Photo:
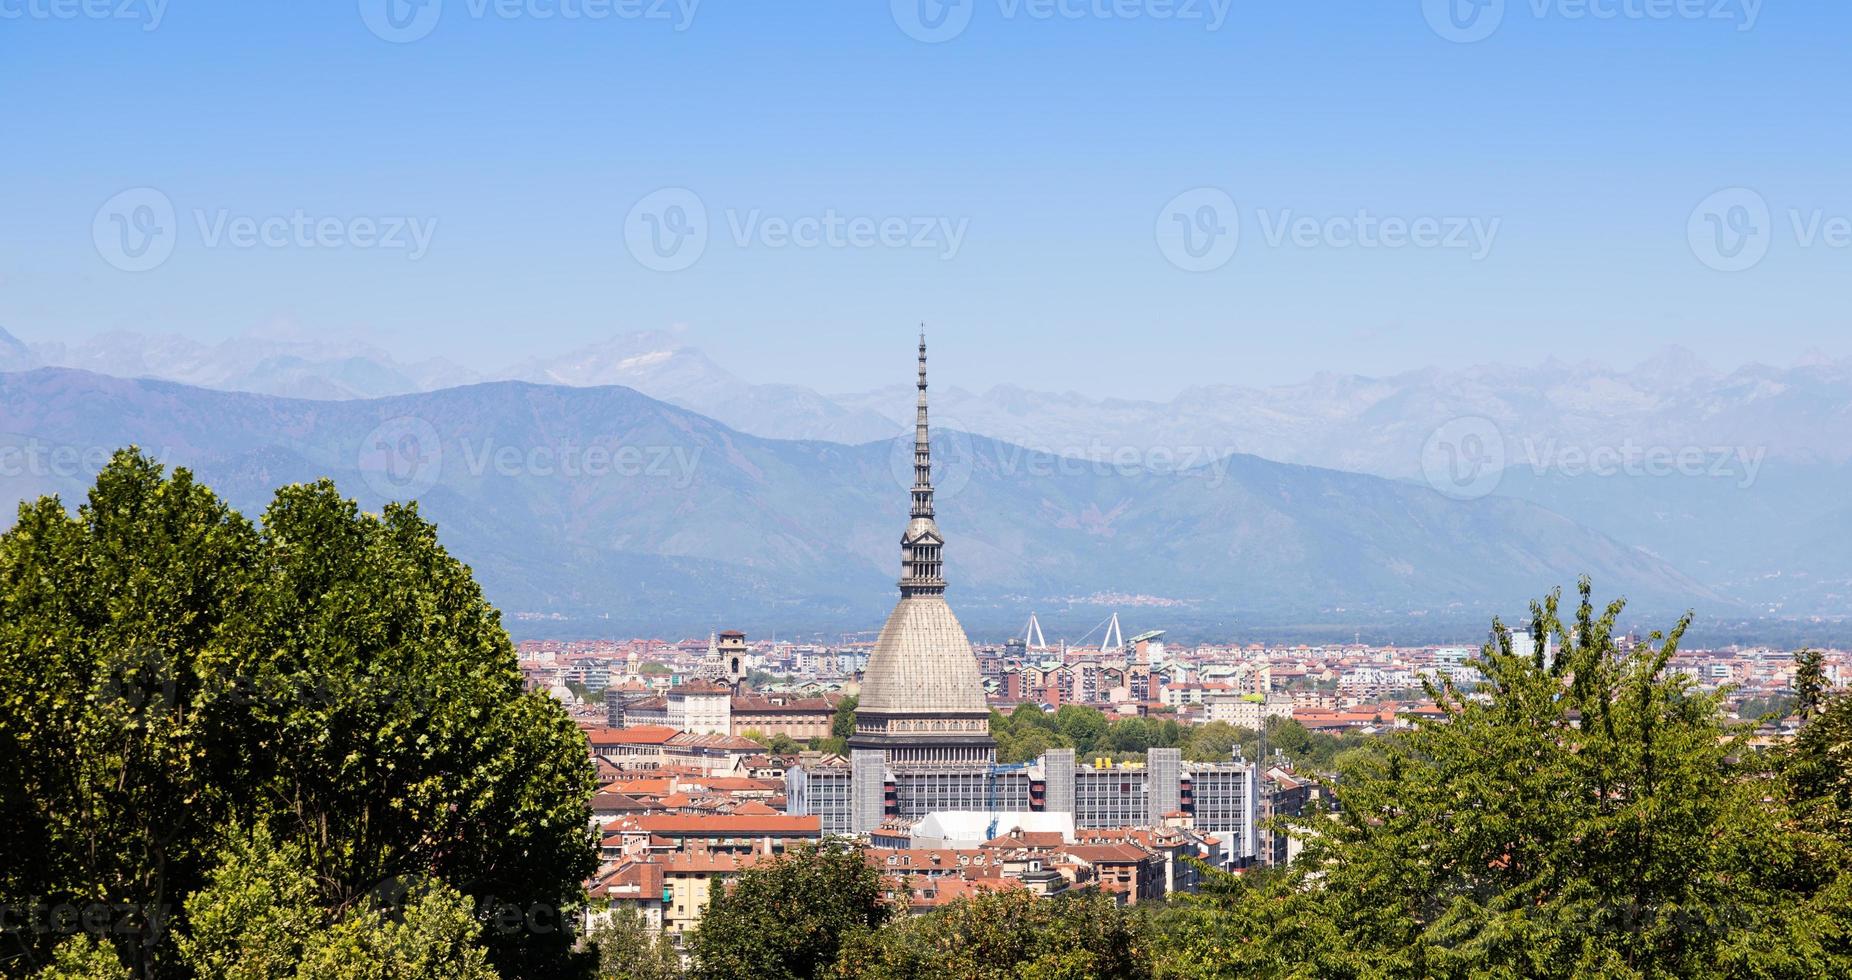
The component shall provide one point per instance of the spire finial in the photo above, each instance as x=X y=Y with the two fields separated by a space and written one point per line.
x=920 y=545
x=922 y=445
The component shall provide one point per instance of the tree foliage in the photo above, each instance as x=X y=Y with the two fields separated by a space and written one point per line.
x=843 y=724
x=787 y=918
x=84 y=957
x=1819 y=768
x=1007 y=936
x=1809 y=683
x=628 y=950
x=257 y=918
x=1595 y=817
x=169 y=670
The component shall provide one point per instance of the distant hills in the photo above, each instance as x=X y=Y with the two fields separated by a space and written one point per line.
x=603 y=505
x=1799 y=414
x=1754 y=534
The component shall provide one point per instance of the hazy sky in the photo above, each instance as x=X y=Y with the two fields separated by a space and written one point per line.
x=1049 y=183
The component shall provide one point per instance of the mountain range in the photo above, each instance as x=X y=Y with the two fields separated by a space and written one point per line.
x=1750 y=532
x=602 y=505
x=1799 y=414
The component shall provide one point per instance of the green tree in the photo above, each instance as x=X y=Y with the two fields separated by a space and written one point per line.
x=433 y=937
x=1027 y=744
x=84 y=957
x=168 y=670
x=1819 y=768
x=256 y=913
x=1592 y=817
x=843 y=725
x=1129 y=735
x=1007 y=936
x=1024 y=715
x=257 y=918
x=1809 y=683
x=1214 y=741
x=787 y=918
x=1083 y=726
x=628 y=950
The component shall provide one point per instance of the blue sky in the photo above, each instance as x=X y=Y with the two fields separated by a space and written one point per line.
x=1021 y=185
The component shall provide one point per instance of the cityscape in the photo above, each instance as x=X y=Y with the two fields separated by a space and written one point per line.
x=925 y=490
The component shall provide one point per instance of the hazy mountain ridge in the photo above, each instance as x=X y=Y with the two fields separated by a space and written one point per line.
x=1366 y=424
x=704 y=523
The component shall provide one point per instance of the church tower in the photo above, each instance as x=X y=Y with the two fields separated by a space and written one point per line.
x=922 y=703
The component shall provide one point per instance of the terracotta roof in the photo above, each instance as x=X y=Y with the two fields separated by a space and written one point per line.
x=735 y=784
x=1027 y=838
x=617 y=802
x=725 y=742
x=638 y=735
x=686 y=862
x=729 y=825
x=1107 y=853
x=642 y=879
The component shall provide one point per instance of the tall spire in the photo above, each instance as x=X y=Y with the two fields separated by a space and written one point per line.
x=922 y=445
x=921 y=563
